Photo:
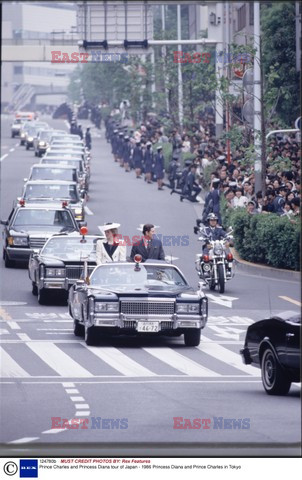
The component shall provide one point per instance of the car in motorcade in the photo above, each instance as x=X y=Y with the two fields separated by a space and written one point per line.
x=273 y=344
x=26 y=116
x=65 y=137
x=55 y=190
x=83 y=170
x=63 y=260
x=137 y=298
x=41 y=142
x=31 y=133
x=69 y=153
x=30 y=225
x=16 y=127
x=23 y=131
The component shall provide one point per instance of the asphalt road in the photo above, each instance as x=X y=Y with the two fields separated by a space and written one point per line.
x=139 y=384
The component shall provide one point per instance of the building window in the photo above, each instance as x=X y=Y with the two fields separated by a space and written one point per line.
x=18 y=70
x=241 y=12
x=251 y=12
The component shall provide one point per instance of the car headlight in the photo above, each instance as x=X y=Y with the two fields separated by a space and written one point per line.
x=42 y=144
x=55 y=272
x=30 y=139
x=18 y=241
x=22 y=135
x=78 y=211
x=187 y=307
x=102 y=307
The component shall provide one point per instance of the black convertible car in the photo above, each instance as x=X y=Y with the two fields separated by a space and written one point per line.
x=132 y=298
x=274 y=346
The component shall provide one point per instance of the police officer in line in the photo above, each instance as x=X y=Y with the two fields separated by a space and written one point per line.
x=149 y=161
x=126 y=153
x=159 y=168
x=137 y=159
x=191 y=188
x=172 y=172
x=80 y=132
x=88 y=138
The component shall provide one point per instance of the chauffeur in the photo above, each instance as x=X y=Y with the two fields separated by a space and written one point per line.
x=110 y=250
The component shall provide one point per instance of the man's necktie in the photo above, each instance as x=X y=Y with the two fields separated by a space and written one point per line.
x=148 y=246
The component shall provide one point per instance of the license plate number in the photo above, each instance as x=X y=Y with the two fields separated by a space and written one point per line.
x=147 y=326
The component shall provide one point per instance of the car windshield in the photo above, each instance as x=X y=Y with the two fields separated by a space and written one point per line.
x=44 y=135
x=149 y=276
x=39 y=173
x=71 y=248
x=34 y=217
x=31 y=130
x=53 y=190
x=76 y=155
x=58 y=161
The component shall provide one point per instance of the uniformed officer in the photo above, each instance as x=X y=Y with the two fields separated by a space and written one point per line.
x=137 y=158
x=159 y=166
x=149 y=160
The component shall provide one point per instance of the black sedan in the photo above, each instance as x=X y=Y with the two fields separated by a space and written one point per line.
x=61 y=262
x=133 y=298
x=274 y=346
x=30 y=225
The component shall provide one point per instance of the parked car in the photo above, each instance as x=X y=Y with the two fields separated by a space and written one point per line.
x=60 y=263
x=49 y=190
x=83 y=171
x=30 y=225
x=134 y=298
x=273 y=345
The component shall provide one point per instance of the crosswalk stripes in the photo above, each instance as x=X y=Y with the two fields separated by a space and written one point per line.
x=63 y=365
x=180 y=362
x=59 y=361
x=227 y=356
x=10 y=368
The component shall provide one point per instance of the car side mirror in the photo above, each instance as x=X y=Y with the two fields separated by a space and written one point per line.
x=82 y=224
x=25 y=179
x=3 y=222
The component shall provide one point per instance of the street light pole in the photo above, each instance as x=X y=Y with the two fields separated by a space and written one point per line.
x=180 y=91
x=257 y=100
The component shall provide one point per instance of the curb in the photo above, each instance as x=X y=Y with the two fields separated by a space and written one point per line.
x=263 y=270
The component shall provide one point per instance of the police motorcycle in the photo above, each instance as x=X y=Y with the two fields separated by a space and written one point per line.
x=215 y=266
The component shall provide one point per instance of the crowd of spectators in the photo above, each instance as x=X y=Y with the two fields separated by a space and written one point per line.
x=235 y=179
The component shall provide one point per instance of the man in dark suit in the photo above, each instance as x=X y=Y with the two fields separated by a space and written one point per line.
x=148 y=247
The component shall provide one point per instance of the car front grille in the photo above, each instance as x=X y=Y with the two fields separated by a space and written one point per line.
x=75 y=272
x=147 y=308
x=37 y=242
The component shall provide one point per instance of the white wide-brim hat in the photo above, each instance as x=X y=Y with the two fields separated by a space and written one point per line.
x=109 y=226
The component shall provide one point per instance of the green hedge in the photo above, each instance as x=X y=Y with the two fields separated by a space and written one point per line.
x=264 y=238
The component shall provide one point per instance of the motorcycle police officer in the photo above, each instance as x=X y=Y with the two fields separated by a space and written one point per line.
x=213 y=231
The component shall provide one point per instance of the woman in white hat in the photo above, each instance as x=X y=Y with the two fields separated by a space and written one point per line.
x=111 y=249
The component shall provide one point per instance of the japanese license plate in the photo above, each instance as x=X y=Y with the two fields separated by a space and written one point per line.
x=148 y=326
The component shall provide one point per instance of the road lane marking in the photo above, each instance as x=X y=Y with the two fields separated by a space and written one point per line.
x=3 y=331
x=72 y=390
x=227 y=356
x=88 y=211
x=180 y=362
x=120 y=362
x=12 y=304
x=186 y=379
x=24 y=337
x=224 y=300
x=10 y=368
x=81 y=406
x=3 y=157
x=13 y=325
x=291 y=300
x=24 y=440
x=82 y=414
x=11 y=149
x=67 y=384
x=55 y=358
x=77 y=399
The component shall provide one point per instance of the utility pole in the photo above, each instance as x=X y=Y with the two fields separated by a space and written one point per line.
x=180 y=91
x=257 y=100
x=164 y=53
